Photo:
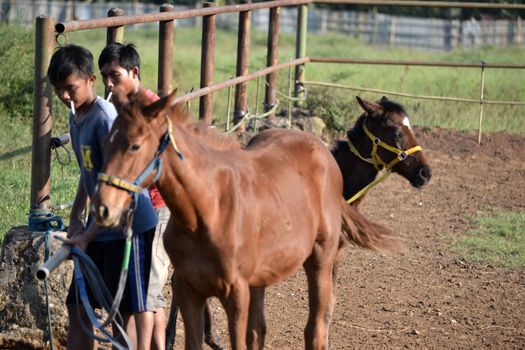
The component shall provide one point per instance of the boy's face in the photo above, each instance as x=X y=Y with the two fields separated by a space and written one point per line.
x=75 y=88
x=121 y=82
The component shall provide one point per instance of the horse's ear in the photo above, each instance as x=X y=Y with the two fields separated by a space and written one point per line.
x=384 y=99
x=371 y=108
x=160 y=106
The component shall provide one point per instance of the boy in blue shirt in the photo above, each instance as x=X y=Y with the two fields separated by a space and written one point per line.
x=71 y=72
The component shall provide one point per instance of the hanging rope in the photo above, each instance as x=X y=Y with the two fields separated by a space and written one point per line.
x=44 y=221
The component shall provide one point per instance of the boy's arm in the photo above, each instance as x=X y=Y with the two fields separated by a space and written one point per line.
x=76 y=217
x=81 y=241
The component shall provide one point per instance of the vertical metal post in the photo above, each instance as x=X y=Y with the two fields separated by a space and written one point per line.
x=243 y=48
x=115 y=34
x=207 y=64
x=257 y=96
x=272 y=59
x=290 y=104
x=228 y=108
x=165 y=73
x=481 y=100
x=300 y=51
x=256 y=104
x=42 y=115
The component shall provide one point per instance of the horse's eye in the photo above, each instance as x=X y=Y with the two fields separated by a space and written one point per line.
x=134 y=147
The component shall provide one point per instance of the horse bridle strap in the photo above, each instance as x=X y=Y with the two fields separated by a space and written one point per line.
x=155 y=165
x=116 y=181
x=376 y=160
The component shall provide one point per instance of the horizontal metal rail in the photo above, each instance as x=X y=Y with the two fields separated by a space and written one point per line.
x=72 y=26
x=416 y=63
x=423 y=97
x=237 y=80
x=446 y=4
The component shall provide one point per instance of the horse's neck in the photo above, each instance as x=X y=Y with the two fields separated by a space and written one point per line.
x=357 y=173
x=185 y=184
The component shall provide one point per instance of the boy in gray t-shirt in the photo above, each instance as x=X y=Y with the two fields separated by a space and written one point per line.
x=72 y=75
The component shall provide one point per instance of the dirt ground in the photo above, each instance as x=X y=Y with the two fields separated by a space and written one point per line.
x=427 y=297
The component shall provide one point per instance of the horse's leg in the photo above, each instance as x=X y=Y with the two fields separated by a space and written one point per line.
x=256 y=322
x=208 y=331
x=191 y=306
x=236 y=304
x=171 y=328
x=319 y=268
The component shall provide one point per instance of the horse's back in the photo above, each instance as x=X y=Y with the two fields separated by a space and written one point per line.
x=297 y=197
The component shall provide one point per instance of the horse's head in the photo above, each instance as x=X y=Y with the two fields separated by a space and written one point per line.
x=391 y=141
x=132 y=157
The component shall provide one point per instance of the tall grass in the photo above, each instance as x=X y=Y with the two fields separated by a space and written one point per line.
x=16 y=88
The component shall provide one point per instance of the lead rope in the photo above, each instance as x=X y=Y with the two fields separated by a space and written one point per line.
x=44 y=221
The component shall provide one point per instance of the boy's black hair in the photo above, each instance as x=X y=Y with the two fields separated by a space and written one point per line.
x=125 y=54
x=70 y=59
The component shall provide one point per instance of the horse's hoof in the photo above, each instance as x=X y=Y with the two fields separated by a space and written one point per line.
x=215 y=345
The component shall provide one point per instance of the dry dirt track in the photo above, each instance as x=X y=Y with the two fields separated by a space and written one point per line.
x=426 y=298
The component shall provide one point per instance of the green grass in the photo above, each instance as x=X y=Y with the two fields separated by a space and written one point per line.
x=497 y=240
x=337 y=106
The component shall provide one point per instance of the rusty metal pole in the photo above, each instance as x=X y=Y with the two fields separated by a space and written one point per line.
x=272 y=59
x=243 y=50
x=165 y=73
x=300 y=51
x=114 y=34
x=42 y=115
x=207 y=64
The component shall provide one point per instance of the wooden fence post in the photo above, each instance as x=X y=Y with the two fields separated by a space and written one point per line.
x=272 y=59
x=207 y=63
x=42 y=115
x=243 y=50
x=165 y=70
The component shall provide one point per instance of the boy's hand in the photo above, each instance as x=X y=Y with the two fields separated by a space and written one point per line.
x=74 y=229
x=78 y=240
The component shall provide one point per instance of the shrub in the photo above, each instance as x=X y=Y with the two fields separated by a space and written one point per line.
x=335 y=107
x=16 y=71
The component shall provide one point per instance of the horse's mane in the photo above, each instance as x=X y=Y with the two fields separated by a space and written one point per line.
x=207 y=134
x=180 y=115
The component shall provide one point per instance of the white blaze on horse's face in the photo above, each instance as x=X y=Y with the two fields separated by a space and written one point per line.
x=113 y=134
x=406 y=122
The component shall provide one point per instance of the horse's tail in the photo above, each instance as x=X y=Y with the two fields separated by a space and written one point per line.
x=364 y=233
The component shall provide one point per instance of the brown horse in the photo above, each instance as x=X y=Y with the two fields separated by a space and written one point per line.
x=381 y=139
x=242 y=218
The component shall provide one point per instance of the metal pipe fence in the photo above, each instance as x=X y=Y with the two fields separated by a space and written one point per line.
x=116 y=21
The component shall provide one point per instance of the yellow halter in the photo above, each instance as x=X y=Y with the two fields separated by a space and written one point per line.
x=376 y=160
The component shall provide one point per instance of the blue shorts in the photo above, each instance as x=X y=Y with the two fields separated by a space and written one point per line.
x=108 y=256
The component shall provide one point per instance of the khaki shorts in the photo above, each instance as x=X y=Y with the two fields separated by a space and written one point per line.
x=159 y=262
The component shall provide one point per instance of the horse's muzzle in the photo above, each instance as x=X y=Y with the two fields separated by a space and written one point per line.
x=422 y=177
